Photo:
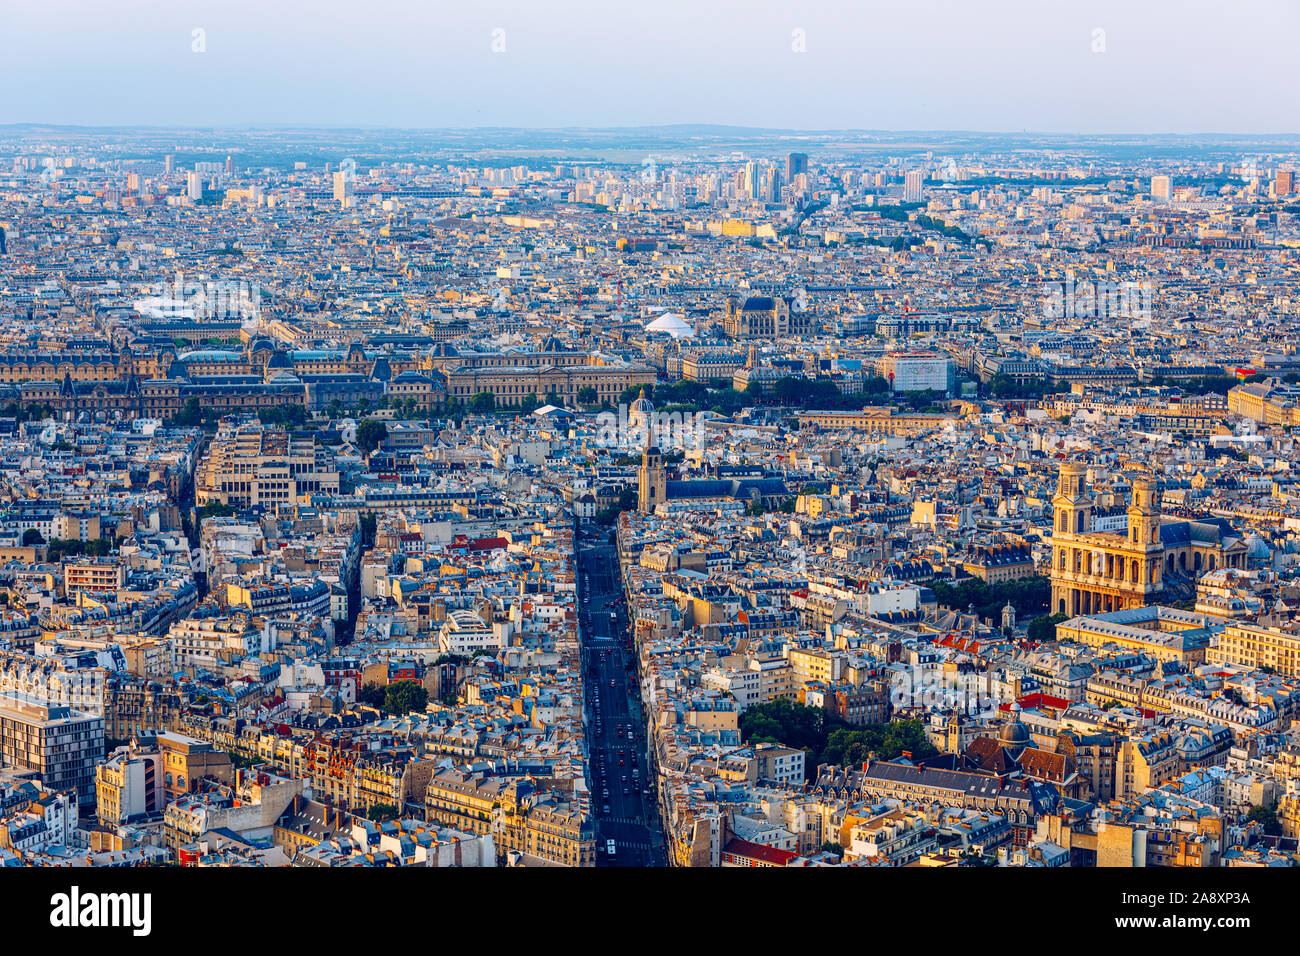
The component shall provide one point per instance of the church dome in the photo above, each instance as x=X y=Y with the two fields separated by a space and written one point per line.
x=1013 y=735
x=642 y=404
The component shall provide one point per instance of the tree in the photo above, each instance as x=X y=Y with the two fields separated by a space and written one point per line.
x=1043 y=628
x=190 y=415
x=784 y=722
x=1028 y=595
x=1267 y=817
x=32 y=537
x=381 y=812
x=372 y=695
x=292 y=414
x=370 y=434
x=405 y=697
x=483 y=403
x=825 y=739
x=587 y=395
x=215 y=509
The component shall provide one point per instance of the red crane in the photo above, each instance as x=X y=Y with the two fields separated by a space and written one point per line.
x=618 y=304
x=605 y=275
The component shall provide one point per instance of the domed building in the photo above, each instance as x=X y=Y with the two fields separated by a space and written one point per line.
x=640 y=414
x=1013 y=736
x=278 y=364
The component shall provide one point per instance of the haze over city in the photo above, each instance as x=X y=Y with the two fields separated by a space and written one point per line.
x=1111 y=66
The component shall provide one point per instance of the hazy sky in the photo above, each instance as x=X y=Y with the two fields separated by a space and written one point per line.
x=1167 y=65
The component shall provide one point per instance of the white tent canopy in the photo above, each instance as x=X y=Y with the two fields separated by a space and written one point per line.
x=672 y=324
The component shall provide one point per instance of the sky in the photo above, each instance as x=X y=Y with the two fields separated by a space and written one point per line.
x=1070 y=66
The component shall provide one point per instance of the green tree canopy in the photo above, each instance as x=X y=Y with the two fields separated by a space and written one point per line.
x=371 y=433
x=405 y=697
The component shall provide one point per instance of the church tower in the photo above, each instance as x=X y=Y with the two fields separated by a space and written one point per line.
x=1072 y=507
x=650 y=482
x=1144 y=513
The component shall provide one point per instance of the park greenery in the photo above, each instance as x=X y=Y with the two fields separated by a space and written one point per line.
x=399 y=698
x=1029 y=596
x=825 y=739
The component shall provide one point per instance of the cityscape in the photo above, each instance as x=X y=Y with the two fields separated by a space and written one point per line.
x=648 y=496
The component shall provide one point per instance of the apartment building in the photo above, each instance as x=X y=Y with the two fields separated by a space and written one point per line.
x=60 y=744
x=253 y=465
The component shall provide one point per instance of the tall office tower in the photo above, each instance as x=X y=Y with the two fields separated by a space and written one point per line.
x=230 y=165
x=1162 y=187
x=193 y=186
x=133 y=183
x=169 y=164
x=3 y=247
x=753 y=183
x=913 y=186
x=342 y=186
x=772 y=184
x=795 y=164
x=1284 y=184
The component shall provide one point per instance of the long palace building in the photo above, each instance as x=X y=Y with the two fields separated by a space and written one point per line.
x=1095 y=571
x=157 y=384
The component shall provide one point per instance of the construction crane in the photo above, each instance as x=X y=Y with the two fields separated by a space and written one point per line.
x=618 y=304
x=606 y=275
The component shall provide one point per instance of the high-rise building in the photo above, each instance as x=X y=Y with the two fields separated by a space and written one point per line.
x=913 y=186
x=1284 y=184
x=342 y=186
x=230 y=165
x=193 y=186
x=795 y=164
x=1162 y=187
x=170 y=162
x=772 y=184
